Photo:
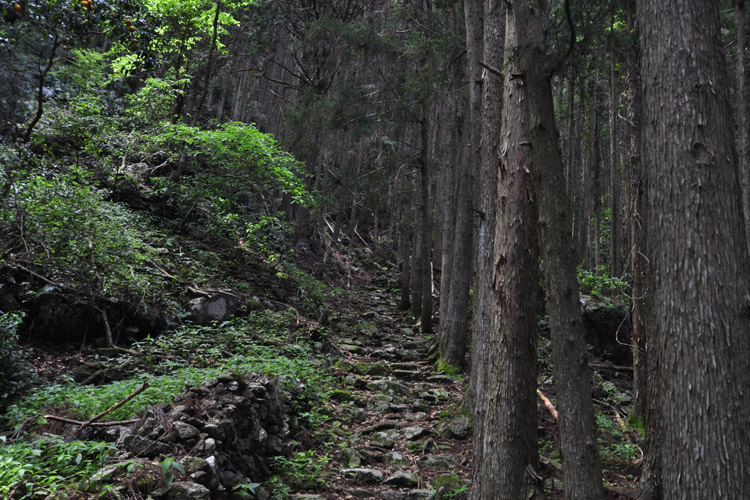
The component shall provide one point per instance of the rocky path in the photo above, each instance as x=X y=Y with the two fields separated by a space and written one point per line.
x=400 y=434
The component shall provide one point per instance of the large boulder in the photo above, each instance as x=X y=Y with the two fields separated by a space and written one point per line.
x=219 y=306
x=607 y=331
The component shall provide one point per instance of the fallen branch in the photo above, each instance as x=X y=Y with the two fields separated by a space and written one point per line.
x=108 y=423
x=602 y=366
x=547 y=404
x=113 y=407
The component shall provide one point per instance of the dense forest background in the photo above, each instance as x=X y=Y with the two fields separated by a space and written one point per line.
x=551 y=191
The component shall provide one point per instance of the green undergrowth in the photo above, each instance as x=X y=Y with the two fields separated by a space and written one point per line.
x=258 y=343
x=49 y=465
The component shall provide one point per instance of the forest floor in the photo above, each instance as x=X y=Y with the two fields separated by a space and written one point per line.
x=384 y=424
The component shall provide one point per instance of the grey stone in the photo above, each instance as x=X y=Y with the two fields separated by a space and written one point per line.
x=434 y=395
x=409 y=355
x=306 y=496
x=379 y=426
x=186 y=490
x=361 y=493
x=396 y=458
x=438 y=461
x=407 y=374
x=201 y=477
x=384 y=439
x=440 y=379
x=195 y=464
x=415 y=432
x=351 y=458
x=364 y=476
x=185 y=431
x=388 y=387
x=371 y=369
x=144 y=447
x=460 y=427
x=393 y=495
x=406 y=366
x=402 y=479
x=419 y=495
x=219 y=306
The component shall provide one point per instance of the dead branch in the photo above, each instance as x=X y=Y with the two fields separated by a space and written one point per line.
x=547 y=404
x=113 y=407
x=108 y=423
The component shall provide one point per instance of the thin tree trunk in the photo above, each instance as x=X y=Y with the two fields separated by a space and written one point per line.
x=43 y=72
x=207 y=80
x=492 y=105
x=454 y=335
x=595 y=168
x=614 y=180
x=699 y=324
x=581 y=462
x=426 y=217
x=638 y=231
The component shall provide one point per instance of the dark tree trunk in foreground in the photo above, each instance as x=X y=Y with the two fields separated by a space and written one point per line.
x=698 y=322
x=509 y=434
x=581 y=463
x=492 y=85
x=743 y=132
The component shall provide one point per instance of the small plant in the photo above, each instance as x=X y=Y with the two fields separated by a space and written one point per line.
x=600 y=284
x=168 y=468
x=13 y=369
x=305 y=470
x=49 y=465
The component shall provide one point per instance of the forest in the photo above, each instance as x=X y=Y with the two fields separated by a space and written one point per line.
x=394 y=249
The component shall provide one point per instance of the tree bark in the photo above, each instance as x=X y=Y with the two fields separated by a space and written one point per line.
x=743 y=128
x=595 y=168
x=638 y=232
x=492 y=104
x=615 y=224
x=699 y=322
x=508 y=438
x=581 y=462
x=426 y=217
x=454 y=336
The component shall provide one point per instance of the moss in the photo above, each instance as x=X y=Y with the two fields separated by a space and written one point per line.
x=449 y=369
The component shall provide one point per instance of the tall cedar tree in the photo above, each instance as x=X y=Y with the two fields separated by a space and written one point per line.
x=581 y=462
x=698 y=360
x=508 y=438
x=492 y=85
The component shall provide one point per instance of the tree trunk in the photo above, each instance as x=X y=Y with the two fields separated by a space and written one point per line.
x=581 y=463
x=615 y=230
x=404 y=255
x=570 y=169
x=595 y=168
x=454 y=335
x=584 y=211
x=698 y=323
x=493 y=43
x=638 y=232
x=449 y=217
x=742 y=121
x=508 y=438
x=426 y=217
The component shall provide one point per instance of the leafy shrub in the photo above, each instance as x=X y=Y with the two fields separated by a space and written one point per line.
x=13 y=371
x=63 y=229
x=601 y=284
x=49 y=465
